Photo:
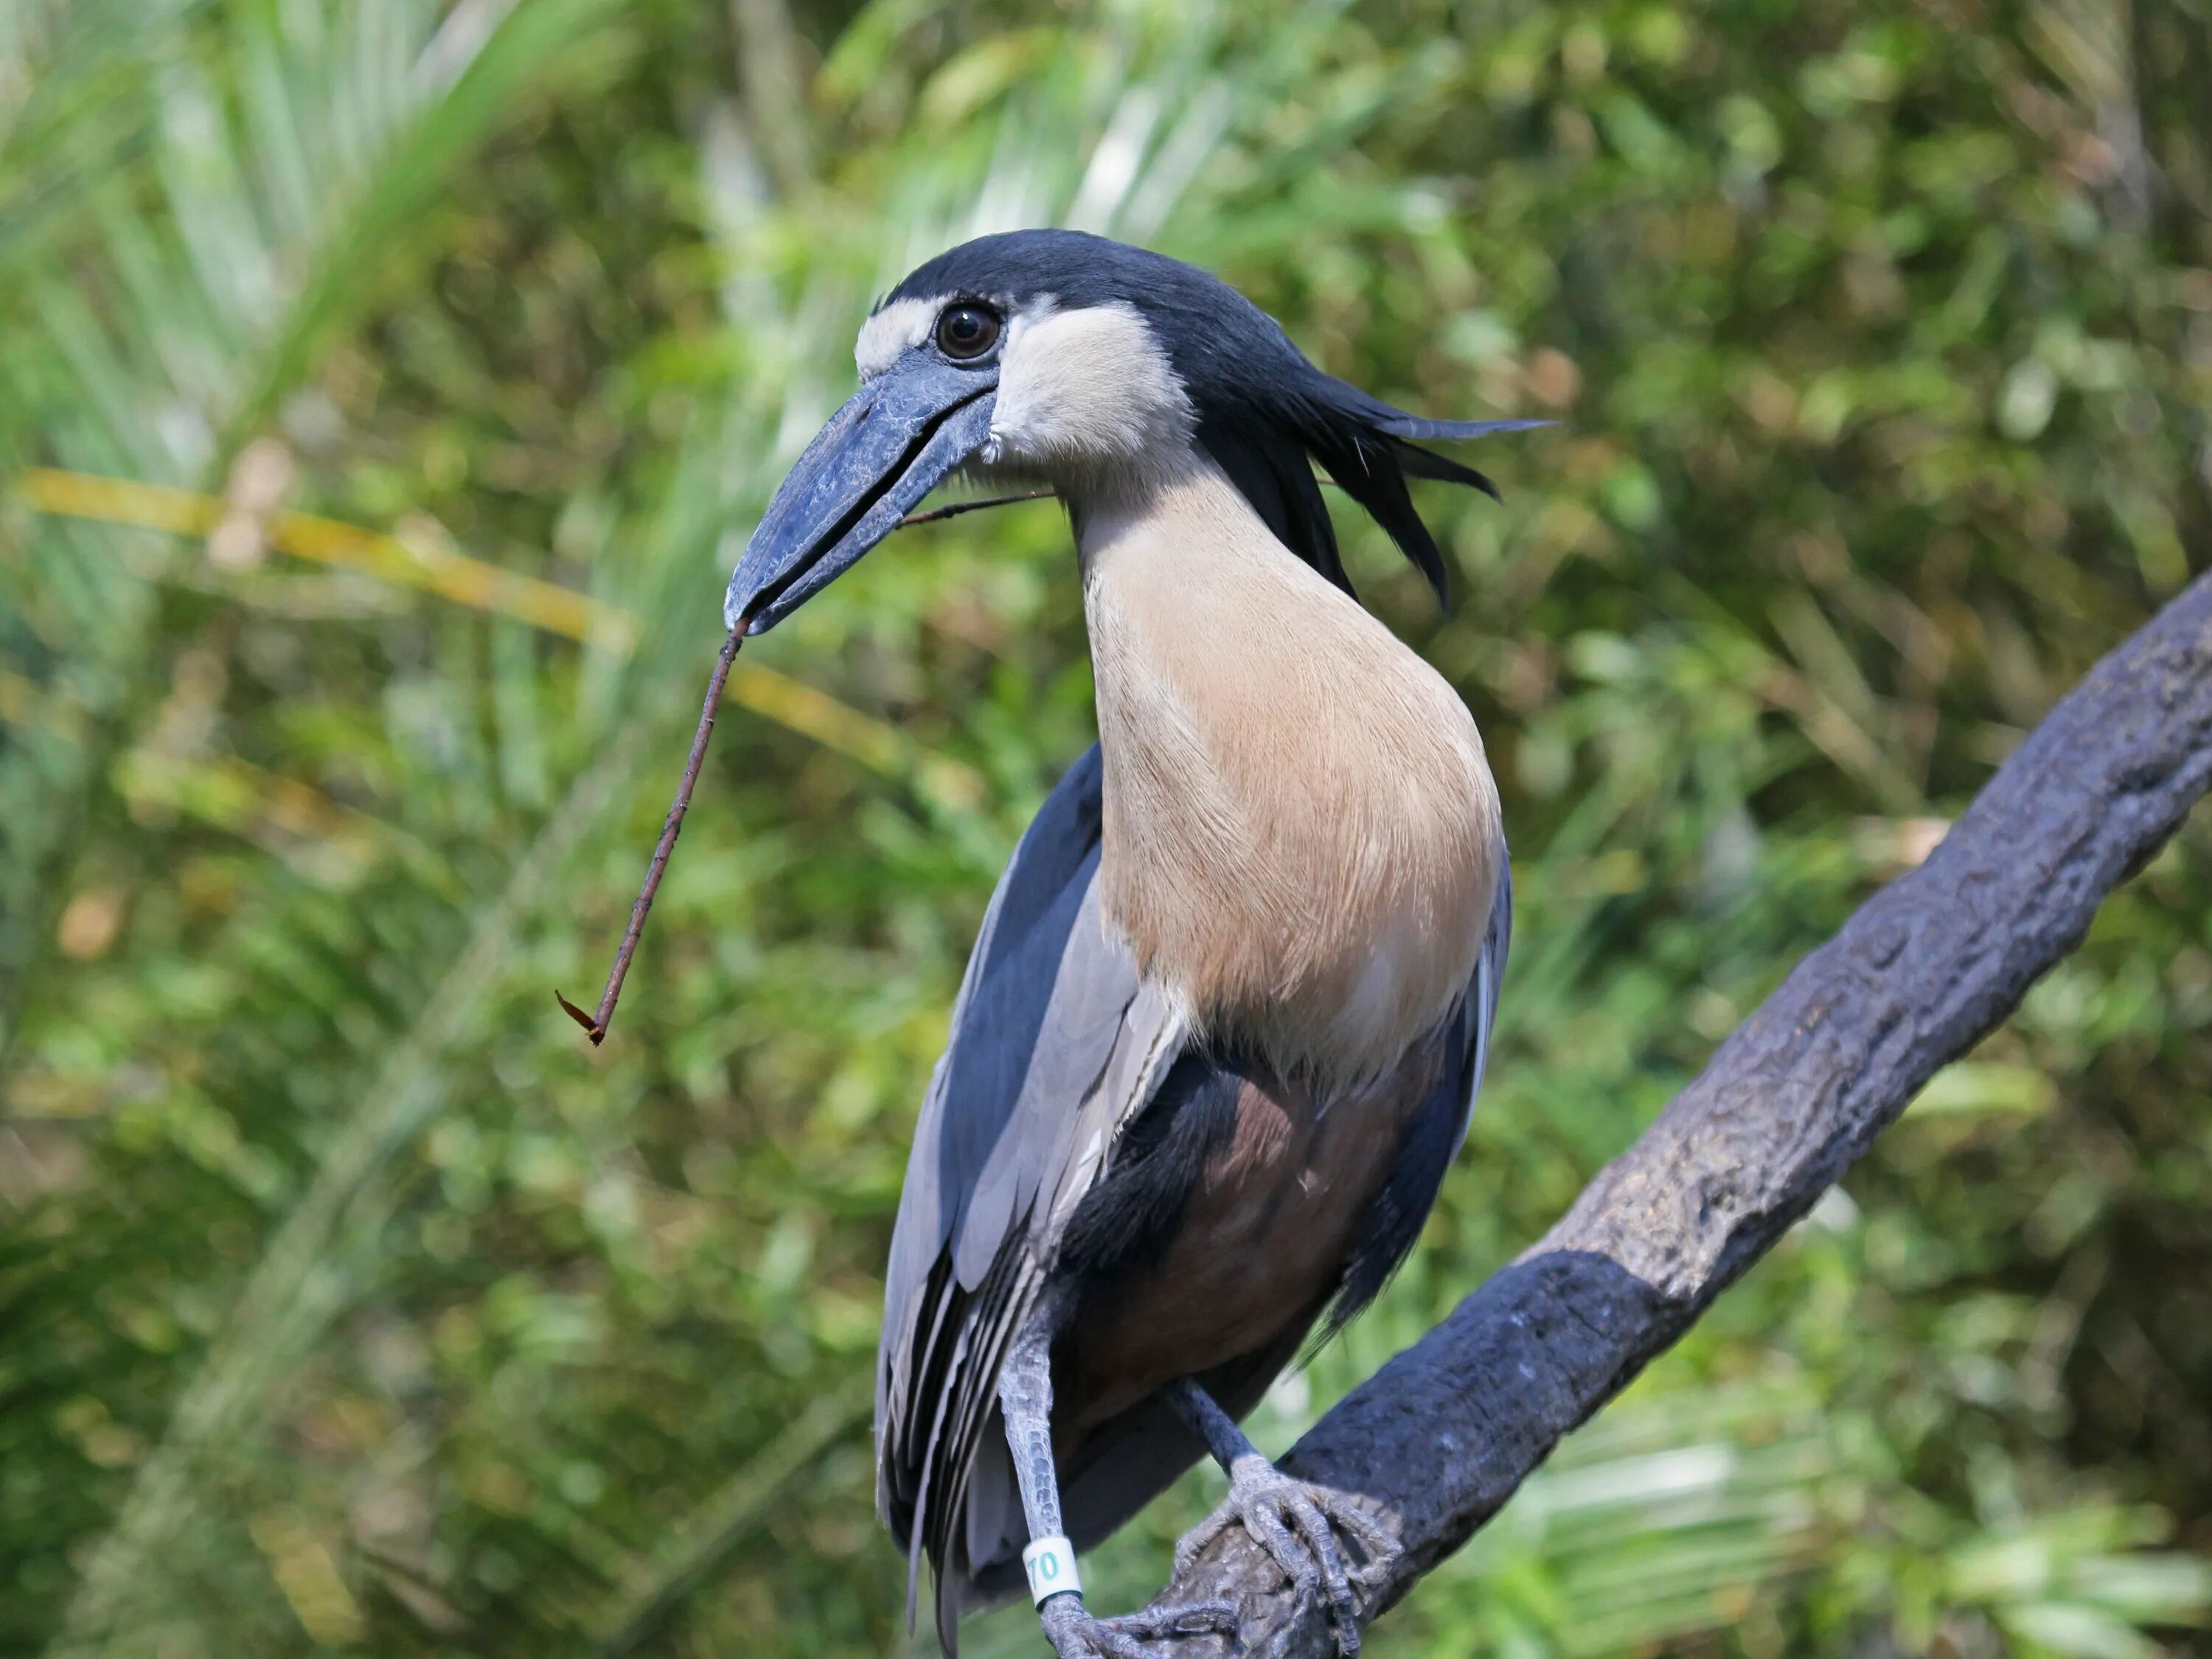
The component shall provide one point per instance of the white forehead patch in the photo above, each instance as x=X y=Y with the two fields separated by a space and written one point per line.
x=892 y=333
x=1087 y=389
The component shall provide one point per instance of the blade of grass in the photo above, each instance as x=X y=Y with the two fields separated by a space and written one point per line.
x=484 y=587
x=299 y=1285
x=704 y=1541
x=449 y=575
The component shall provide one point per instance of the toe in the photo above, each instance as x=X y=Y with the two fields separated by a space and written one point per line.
x=1298 y=1527
x=1173 y=1622
x=1194 y=1543
x=1113 y=1645
x=1350 y=1516
x=1075 y=1634
x=1335 y=1584
x=1374 y=1539
x=1264 y=1520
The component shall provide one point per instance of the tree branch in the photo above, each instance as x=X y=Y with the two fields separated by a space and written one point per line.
x=1437 y=1440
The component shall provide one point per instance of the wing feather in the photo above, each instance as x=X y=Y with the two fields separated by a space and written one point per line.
x=1482 y=995
x=1436 y=1132
x=1055 y=1046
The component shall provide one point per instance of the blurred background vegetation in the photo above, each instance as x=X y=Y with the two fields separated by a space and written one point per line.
x=385 y=386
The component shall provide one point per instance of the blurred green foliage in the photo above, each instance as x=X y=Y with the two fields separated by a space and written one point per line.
x=349 y=1302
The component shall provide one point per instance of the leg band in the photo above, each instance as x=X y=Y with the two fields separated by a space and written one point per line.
x=1050 y=1564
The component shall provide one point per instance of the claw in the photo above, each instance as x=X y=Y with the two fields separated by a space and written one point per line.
x=1297 y=1524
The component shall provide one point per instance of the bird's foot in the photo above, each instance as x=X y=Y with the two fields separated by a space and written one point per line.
x=1075 y=1633
x=1297 y=1524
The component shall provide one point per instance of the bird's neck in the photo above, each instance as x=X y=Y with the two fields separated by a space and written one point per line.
x=1300 y=831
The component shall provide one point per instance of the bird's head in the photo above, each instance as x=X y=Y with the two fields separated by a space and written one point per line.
x=1091 y=366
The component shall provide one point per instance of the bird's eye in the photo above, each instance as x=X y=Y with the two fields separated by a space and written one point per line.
x=966 y=332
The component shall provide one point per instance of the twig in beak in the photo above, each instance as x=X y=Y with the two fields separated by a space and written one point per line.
x=958 y=508
x=595 y=1026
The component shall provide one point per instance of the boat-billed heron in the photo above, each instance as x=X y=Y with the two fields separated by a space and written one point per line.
x=1223 y=1026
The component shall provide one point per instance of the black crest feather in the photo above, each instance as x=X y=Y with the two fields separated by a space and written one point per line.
x=1294 y=416
x=1265 y=413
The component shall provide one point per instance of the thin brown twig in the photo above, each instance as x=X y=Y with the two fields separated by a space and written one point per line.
x=958 y=508
x=595 y=1026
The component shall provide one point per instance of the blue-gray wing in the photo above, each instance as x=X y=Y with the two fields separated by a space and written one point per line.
x=1055 y=1045
x=1482 y=1010
x=1126 y=1464
x=1433 y=1139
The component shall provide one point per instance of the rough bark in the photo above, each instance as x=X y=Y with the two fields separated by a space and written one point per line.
x=1438 y=1439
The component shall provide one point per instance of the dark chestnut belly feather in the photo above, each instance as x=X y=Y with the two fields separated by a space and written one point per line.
x=1237 y=1212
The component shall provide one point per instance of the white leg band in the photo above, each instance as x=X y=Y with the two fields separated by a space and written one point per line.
x=1050 y=1564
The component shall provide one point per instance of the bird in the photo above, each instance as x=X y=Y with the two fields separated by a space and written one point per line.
x=1228 y=1010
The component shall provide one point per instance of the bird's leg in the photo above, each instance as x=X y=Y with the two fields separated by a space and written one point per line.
x=1025 y=1400
x=1290 y=1519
